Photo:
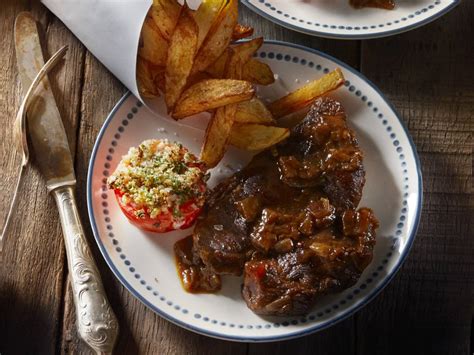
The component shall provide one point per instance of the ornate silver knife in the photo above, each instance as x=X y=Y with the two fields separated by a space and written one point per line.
x=96 y=322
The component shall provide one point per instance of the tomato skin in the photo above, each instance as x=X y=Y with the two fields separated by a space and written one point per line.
x=162 y=223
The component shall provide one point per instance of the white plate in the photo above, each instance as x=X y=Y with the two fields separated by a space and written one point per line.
x=337 y=19
x=144 y=262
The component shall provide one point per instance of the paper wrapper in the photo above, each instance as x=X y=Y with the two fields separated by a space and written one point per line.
x=110 y=29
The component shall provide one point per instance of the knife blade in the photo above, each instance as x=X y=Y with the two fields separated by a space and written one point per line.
x=96 y=322
x=46 y=129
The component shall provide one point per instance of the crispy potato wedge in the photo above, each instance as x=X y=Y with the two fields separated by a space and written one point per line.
x=159 y=77
x=253 y=111
x=206 y=16
x=292 y=119
x=210 y=94
x=217 y=133
x=258 y=73
x=153 y=46
x=234 y=66
x=181 y=54
x=165 y=13
x=217 y=69
x=241 y=31
x=251 y=136
x=244 y=50
x=220 y=126
x=196 y=78
x=218 y=38
x=145 y=79
x=305 y=95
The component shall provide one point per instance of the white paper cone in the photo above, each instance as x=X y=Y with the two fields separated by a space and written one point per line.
x=110 y=29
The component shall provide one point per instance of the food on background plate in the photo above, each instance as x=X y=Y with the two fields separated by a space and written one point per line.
x=289 y=222
x=382 y=4
x=160 y=186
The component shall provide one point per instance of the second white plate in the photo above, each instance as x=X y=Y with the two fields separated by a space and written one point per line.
x=337 y=19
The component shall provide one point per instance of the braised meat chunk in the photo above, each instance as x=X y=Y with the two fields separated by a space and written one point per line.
x=382 y=4
x=329 y=261
x=323 y=152
x=194 y=274
x=289 y=221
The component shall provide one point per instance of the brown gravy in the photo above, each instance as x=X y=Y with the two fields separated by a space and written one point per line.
x=194 y=275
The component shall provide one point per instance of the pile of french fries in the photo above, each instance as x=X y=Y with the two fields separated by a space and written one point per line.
x=191 y=58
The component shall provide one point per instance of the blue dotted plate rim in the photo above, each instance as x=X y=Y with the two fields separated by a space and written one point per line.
x=323 y=325
x=354 y=36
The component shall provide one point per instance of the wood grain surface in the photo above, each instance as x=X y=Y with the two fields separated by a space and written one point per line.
x=428 y=308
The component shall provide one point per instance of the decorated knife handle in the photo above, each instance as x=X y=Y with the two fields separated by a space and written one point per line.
x=96 y=322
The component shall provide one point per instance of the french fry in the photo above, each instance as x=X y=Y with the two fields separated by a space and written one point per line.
x=258 y=73
x=220 y=126
x=153 y=46
x=233 y=68
x=210 y=94
x=181 y=54
x=251 y=136
x=218 y=38
x=245 y=50
x=292 y=119
x=253 y=111
x=165 y=13
x=217 y=69
x=305 y=95
x=241 y=31
x=159 y=77
x=217 y=133
x=196 y=78
x=206 y=16
x=145 y=79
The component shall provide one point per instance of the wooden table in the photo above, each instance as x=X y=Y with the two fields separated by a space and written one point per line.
x=427 y=74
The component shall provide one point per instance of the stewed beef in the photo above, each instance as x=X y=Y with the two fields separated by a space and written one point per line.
x=329 y=261
x=288 y=221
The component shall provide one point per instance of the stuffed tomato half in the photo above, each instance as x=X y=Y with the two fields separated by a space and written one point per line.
x=160 y=186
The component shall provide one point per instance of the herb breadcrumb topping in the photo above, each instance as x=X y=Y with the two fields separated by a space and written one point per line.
x=157 y=177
